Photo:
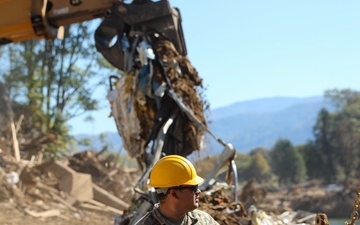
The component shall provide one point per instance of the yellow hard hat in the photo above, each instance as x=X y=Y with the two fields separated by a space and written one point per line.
x=172 y=171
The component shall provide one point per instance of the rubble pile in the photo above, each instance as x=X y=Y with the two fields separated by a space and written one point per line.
x=223 y=209
x=88 y=186
x=54 y=189
x=250 y=209
x=105 y=173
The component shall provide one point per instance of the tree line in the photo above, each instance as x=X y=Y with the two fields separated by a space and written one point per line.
x=332 y=156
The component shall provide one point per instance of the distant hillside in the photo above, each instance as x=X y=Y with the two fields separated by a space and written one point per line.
x=260 y=123
x=251 y=124
x=263 y=105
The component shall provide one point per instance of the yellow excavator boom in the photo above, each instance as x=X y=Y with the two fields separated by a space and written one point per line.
x=22 y=20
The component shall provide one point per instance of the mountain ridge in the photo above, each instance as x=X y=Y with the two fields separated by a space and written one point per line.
x=270 y=104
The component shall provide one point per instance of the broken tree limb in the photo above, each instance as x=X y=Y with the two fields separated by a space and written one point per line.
x=55 y=195
x=92 y=204
x=63 y=201
x=44 y=214
x=18 y=124
x=15 y=142
x=106 y=198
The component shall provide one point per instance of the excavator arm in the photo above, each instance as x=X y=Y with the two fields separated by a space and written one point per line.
x=22 y=20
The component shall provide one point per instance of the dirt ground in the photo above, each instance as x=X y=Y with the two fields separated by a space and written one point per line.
x=12 y=215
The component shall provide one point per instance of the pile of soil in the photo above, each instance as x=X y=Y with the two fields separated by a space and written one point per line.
x=223 y=209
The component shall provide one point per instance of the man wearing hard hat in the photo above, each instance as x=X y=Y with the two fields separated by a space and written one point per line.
x=177 y=186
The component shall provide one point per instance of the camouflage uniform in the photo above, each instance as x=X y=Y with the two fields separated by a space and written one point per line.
x=194 y=217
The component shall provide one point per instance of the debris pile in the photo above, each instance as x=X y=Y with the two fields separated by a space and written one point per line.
x=68 y=190
x=219 y=204
x=88 y=187
x=155 y=91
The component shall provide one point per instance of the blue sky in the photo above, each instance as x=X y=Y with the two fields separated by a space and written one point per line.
x=246 y=50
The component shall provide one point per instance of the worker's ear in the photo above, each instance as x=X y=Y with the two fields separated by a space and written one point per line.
x=174 y=193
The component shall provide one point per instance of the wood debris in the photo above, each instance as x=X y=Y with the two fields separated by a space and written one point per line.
x=55 y=189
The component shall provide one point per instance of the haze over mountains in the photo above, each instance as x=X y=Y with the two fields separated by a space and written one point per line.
x=251 y=124
x=261 y=122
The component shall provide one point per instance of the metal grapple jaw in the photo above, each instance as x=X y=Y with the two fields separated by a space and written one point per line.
x=124 y=24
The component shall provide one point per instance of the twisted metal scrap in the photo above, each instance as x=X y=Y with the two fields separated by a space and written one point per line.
x=321 y=219
x=355 y=214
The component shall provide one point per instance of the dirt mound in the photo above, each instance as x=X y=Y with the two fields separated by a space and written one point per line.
x=223 y=209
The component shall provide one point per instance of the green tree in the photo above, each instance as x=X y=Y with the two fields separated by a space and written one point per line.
x=259 y=168
x=324 y=144
x=316 y=166
x=264 y=152
x=287 y=163
x=346 y=129
x=52 y=81
x=243 y=161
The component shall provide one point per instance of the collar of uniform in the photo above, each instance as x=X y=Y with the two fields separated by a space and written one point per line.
x=157 y=215
x=161 y=219
x=192 y=218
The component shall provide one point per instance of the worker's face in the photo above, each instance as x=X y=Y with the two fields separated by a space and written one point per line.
x=189 y=196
